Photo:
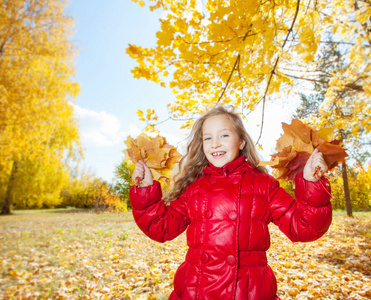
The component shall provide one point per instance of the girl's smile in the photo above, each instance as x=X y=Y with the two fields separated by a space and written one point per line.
x=221 y=143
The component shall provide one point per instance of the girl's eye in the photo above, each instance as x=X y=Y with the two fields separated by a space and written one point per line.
x=207 y=139
x=225 y=135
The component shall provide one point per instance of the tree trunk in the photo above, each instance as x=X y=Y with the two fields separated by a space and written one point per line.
x=8 y=200
x=346 y=190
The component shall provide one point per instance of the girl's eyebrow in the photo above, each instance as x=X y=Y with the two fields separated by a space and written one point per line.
x=204 y=133
x=221 y=130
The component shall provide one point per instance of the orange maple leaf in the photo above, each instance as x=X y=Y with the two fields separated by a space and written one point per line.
x=159 y=156
x=297 y=144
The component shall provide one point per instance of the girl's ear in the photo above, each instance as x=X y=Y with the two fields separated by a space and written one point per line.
x=242 y=145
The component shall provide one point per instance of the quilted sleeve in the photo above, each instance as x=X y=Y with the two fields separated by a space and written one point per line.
x=305 y=218
x=158 y=221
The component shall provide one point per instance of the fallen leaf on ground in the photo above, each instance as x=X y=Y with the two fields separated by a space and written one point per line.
x=105 y=256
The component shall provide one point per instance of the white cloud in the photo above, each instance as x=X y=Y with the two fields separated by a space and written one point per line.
x=134 y=130
x=99 y=129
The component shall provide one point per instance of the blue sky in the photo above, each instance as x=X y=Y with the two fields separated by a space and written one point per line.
x=110 y=97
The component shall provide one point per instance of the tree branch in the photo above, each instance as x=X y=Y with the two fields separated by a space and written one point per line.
x=264 y=97
x=274 y=70
x=351 y=86
x=229 y=78
x=306 y=79
x=234 y=66
x=223 y=41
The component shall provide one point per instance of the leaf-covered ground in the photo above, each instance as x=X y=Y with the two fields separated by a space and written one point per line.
x=81 y=255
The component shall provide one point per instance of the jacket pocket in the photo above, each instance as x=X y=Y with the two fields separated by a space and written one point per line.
x=180 y=279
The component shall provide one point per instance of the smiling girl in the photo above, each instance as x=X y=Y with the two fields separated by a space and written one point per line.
x=226 y=201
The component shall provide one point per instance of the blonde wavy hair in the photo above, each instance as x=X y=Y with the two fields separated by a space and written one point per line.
x=194 y=161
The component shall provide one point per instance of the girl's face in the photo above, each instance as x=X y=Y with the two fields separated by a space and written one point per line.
x=221 y=143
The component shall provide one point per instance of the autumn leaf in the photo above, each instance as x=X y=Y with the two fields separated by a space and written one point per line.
x=333 y=153
x=297 y=144
x=296 y=165
x=159 y=156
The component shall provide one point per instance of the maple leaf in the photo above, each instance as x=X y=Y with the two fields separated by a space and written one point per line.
x=333 y=153
x=159 y=156
x=297 y=144
x=297 y=164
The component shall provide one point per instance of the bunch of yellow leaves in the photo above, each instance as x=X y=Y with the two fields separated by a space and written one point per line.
x=159 y=156
x=297 y=144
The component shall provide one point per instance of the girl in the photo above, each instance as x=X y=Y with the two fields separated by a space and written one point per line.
x=226 y=201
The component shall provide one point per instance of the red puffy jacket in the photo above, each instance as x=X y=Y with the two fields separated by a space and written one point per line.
x=227 y=212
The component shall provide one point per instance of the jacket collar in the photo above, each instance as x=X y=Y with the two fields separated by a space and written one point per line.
x=238 y=166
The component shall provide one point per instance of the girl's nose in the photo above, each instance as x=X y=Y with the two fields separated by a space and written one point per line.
x=216 y=143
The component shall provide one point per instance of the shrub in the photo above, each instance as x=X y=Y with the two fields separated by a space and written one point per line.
x=80 y=191
x=106 y=199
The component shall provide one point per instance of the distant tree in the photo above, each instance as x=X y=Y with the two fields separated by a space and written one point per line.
x=359 y=186
x=122 y=181
x=331 y=61
x=38 y=131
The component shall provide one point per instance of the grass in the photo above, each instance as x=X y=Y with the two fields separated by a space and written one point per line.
x=34 y=219
x=77 y=254
x=73 y=253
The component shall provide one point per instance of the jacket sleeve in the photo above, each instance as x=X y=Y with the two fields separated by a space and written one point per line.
x=305 y=218
x=158 y=221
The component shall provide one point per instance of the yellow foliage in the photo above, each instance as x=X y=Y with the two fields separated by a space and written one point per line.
x=38 y=129
x=359 y=181
x=202 y=43
x=149 y=117
x=249 y=47
x=107 y=200
x=140 y=115
x=89 y=191
x=80 y=191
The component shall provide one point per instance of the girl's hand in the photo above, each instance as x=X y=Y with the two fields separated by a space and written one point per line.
x=142 y=172
x=315 y=163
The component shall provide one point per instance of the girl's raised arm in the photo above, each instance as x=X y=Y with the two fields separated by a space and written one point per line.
x=158 y=221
